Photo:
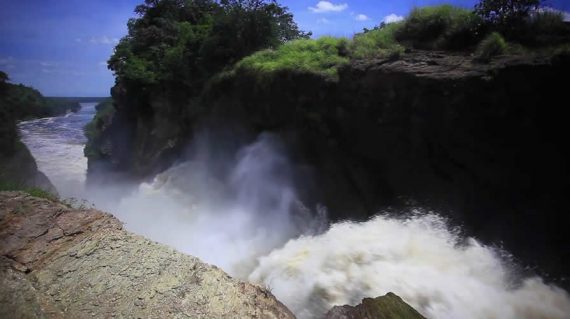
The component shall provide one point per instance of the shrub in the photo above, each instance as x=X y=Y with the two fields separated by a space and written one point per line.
x=440 y=27
x=544 y=28
x=322 y=56
x=494 y=44
x=380 y=42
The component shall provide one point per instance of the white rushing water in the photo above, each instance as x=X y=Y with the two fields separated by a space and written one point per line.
x=239 y=209
x=57 y=145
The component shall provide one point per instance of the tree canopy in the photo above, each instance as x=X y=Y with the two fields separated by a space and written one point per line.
x=184 y=42
x=505 y=12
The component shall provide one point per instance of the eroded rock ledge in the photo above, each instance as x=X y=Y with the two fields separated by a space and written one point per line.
x=58 y=262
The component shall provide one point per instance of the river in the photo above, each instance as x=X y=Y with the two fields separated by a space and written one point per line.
x=57 y=145
x=240 y=211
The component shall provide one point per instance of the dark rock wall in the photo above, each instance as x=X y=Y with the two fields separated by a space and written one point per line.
x=484 y=144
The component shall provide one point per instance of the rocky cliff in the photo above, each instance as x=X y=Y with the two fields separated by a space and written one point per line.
x=389 y=306
x=482 y=143
x=18 y=169
x=58 y=262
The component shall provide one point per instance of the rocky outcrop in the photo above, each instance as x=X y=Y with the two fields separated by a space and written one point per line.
x=389 y=306
x=59 y=262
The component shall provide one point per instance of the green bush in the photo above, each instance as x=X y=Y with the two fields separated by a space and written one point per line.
x=544 y=28
x=440 y=27
x=380 y=42
x=494 y=44
x=322 y=56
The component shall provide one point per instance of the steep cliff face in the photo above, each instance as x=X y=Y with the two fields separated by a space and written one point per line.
x=18 y=169
x=58 y=262
x=483 y=143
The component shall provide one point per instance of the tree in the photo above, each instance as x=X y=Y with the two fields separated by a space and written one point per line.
x=246 y=26
x=185 y=42
x=3 y=77
x=506 y=13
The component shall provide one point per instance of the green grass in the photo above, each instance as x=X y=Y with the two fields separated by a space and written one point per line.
x=322 y=56
x=33 y=191
x=494 y=44
x=380 y=42
x=443 y=27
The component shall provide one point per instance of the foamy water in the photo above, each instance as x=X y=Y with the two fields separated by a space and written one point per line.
x=418 y=258
x=240 y=210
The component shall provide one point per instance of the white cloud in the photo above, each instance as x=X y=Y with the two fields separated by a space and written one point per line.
x=565 y=14
x=102 y=40
x=7 y=63
x=391 y=18
x=323 y=21
x=361 y=17
x=48 y=64
x=326 y=6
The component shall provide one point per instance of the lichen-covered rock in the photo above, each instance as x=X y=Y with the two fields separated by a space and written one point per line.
x=389 y=306
x=58 y=262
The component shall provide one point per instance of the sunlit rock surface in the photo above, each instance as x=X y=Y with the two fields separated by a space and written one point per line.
x=59 y=262
x=389 y=306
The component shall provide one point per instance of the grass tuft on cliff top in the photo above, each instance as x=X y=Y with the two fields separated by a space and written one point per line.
x=431 y=28
x=322 y=56
x=443 y=27
x=380 y=42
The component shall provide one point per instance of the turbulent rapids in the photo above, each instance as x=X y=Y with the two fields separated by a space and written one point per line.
x=239 y=209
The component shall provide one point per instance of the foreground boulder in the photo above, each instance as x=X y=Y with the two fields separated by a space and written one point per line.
x=58 y=262
x=389 y=306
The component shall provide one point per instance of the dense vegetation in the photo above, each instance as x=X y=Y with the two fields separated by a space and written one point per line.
x=179 y=52
x=93 y=129
x=182 y=43
x=178 y=45
x=445 y=27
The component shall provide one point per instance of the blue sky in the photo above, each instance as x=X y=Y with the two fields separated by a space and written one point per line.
x=60 y=47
